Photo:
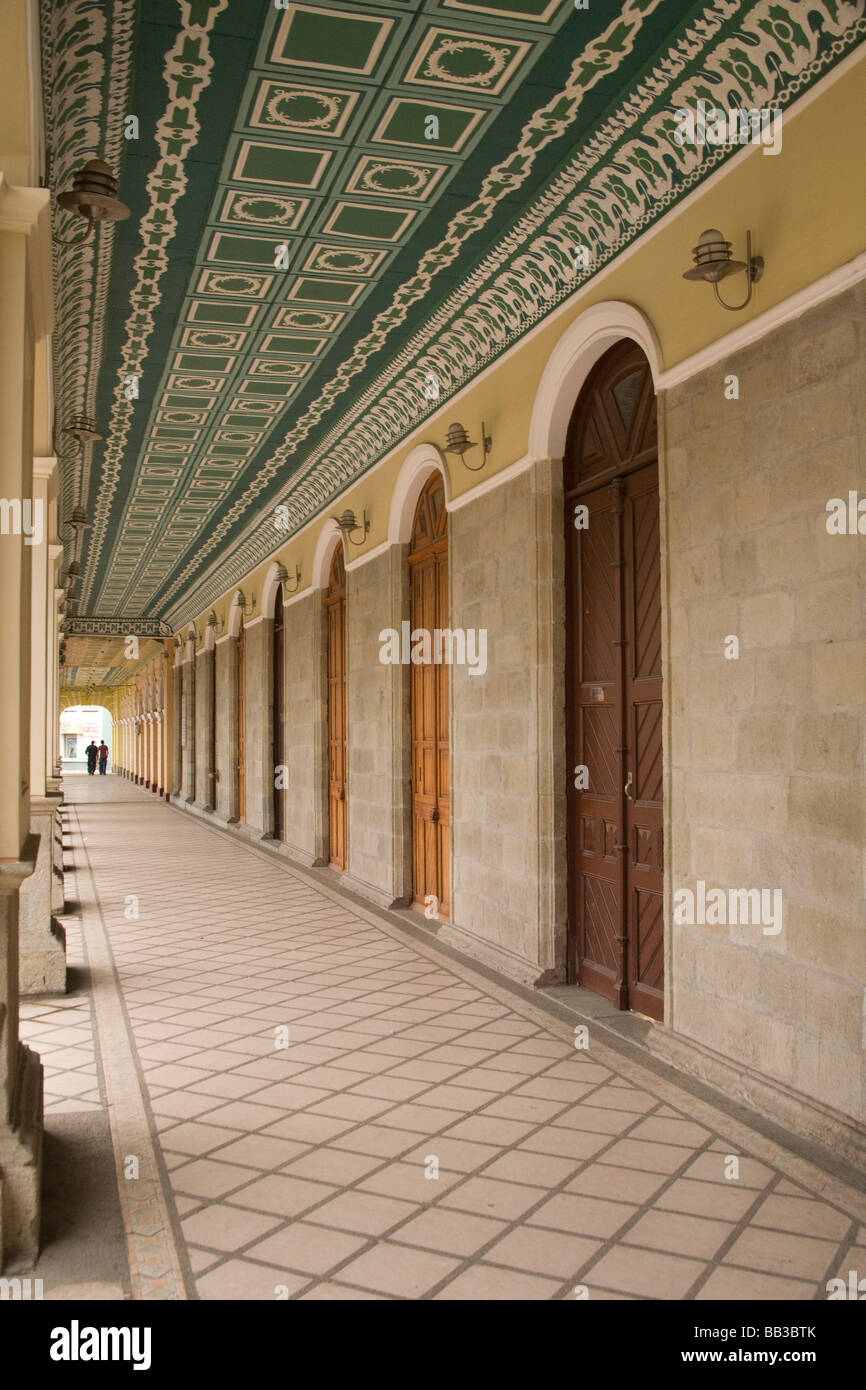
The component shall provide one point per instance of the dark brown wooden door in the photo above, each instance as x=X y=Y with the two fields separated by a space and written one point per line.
x=212 y=786
x=616 y=930
x=278 y=749
x=431 y=769
x=336 y=608
x=242 y=720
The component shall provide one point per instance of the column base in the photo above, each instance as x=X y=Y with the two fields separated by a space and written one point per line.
x=41 y=938
x=20 y=1100
x=21 y=1167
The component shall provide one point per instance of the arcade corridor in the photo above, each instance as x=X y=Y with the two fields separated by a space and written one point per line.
x=302 y=1171
x=433 y=460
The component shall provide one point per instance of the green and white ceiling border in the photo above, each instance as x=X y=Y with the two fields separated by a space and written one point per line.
x=187 y=71
x=76 y=37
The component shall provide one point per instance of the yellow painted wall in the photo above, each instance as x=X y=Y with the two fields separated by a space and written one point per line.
x=15 y=95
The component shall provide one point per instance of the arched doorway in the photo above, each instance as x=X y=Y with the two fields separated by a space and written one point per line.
x=614 y=686
x=431 y=772
x=241 y=688
x=80 y=727
x=335 y=603
x=278 y=716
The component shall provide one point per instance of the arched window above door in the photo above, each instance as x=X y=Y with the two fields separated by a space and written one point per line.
x=431 y=516
x=614 y=425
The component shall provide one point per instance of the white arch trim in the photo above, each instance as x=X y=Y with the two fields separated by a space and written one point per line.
x=572 y=360
x=269 y=588
x=329 y=538
x=419 y=464
x=236 y=609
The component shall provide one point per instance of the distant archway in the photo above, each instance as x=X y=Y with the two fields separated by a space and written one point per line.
x=81 y=725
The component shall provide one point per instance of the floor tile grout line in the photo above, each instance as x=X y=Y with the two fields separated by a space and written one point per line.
x=425 y=948
x=332 y=999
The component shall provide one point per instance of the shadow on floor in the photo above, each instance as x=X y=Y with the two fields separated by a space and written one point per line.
x=83 y=1247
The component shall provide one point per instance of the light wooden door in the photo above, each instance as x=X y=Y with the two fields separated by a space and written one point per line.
x=278 y=738
x=431 y=770
x=336 y=610
x=613 y=614
x=242 y=685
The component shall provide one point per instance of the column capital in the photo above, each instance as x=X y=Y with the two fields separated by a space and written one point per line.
x=27 y=211
x=44 y=466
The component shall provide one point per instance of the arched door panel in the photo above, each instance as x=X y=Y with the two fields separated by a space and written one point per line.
x=278 y=728
x=614 y=713
x=431 y=767
x=242 y=720
x=337 y=808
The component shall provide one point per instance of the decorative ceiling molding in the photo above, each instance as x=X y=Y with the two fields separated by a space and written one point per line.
x=187 y=70
x=287 y=172
x=85 y=100
x=117 y=627
x=625 y=178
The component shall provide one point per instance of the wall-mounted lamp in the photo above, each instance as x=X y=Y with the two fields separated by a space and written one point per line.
x=348 y=523
x=459 y=442
x=72 y=574
x=81 y=428
x=77 y=520
x=211 y=619
x=93 y=196
x=713 y=263
x=282 y=577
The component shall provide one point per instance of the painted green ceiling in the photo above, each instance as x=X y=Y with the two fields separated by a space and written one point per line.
x=330 y=200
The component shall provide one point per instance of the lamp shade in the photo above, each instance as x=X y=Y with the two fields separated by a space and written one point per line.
x=94 y=194
x=458 y=440
x=712 y=257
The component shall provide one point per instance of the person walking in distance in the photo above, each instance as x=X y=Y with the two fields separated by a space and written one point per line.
x=103 y=757
x=92 y=754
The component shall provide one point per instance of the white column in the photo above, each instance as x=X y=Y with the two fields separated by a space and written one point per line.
x=55 y=553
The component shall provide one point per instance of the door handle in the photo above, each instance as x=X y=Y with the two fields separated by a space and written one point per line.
x=342 y=793
x=626 y=788
x=434 y=814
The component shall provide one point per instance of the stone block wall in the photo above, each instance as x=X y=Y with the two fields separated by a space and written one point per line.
x=204 y=752
x=506 y=563
x=379 y=733
x=188 y=758
x=225 y=774
x=258 y=703
x=766 y=753
x=177 y=750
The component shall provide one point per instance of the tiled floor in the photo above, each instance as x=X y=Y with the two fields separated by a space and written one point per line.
x=324 y=1108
